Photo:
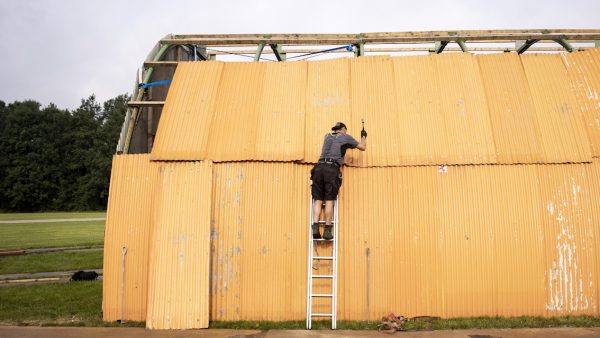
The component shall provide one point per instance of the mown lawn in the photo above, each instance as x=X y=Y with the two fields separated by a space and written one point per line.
x=51 y=215
x=46 y=235
x=70 y=304
x=79 y=304
x=52 y=261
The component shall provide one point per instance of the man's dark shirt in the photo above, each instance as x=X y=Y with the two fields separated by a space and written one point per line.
x=335 y=146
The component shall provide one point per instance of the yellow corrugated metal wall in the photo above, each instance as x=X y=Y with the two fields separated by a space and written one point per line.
x=259 y=246
x=188 y=111
x=486 y=240
x=456 y=108
x=477 y=240
x=180 y=247
x=584 y=71
x=562 y=131
x=128 y=224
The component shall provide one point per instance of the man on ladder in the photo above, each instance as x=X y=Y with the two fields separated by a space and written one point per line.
x=326 y=175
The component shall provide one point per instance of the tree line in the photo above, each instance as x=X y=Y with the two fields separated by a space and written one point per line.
x=54 y=159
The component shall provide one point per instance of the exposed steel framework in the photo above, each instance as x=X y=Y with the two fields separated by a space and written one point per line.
x=173 y=49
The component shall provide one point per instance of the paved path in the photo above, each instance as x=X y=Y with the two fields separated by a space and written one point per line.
x=52 y=220
x=97 y=332
x=40 y=278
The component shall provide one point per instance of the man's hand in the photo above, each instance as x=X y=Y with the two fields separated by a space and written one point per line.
x=363 y=133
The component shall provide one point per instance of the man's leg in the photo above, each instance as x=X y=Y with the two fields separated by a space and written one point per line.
x=329 y=212
x=317 y=206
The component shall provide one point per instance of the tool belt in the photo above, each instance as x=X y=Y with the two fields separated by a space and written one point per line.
x=329 y=161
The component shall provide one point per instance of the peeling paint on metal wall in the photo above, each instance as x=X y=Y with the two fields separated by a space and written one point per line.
x=187 y=115
x=487 y=240
x=129 y=225
x=179 y=261
x=584 y=71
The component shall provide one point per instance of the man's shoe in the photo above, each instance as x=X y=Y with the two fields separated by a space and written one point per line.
x=315 y=231
x=327 y=234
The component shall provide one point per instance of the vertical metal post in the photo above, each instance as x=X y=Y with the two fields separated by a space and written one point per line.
x=140 y=94
x=123 y=253
x=369 y=285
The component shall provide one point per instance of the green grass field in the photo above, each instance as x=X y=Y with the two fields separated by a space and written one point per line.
x=52 y=261
x=46 y=235
x=50 y=215
x=70 y=304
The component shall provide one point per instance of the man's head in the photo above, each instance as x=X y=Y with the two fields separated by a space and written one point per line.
x=339 y=127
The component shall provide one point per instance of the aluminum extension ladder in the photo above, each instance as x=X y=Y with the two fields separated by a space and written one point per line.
x=313 y=245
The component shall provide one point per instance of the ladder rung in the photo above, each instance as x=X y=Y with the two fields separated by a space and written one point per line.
x=324 y=240
x=321 y=295
x=322 y=276
x=323 y=257
x=322 y=315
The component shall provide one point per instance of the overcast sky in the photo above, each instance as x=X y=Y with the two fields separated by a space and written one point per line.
x=62 y=51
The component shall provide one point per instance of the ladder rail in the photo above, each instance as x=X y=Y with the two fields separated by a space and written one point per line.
x=335 y=259
x=310 y=263
x=333 y=276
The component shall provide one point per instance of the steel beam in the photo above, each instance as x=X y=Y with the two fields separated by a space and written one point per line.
x=566 y=45
x=259 y=49
x=440 y=45
x=279 y=53
x=521 y=46
x=359 y=49
x=463 y=45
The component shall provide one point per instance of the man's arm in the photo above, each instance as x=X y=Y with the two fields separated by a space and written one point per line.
x=362 y=146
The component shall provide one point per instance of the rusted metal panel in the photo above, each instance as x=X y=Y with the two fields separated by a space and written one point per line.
x=583 y=69
x=178 y=285
x=128 y=225
x=562 y=130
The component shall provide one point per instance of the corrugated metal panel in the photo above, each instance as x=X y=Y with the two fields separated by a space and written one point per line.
x=373 y=99
x=487 y=240
x=418 y=110
x=178 y=284
x=584 y=71
x=558 y=114
x=259 y=241
x=186 y=117
x=327 y=102
x=512 y=112
x=443 y=115
x=233 y=129
x=280 y=124
x=128 y=224
x=474 y=241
